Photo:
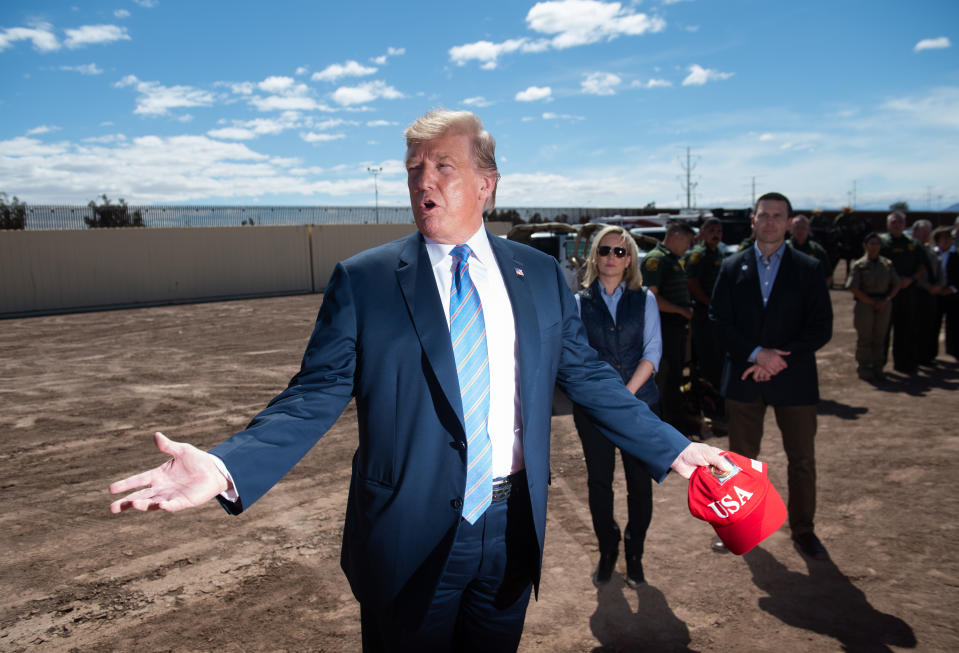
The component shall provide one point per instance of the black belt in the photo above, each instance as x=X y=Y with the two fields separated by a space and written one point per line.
x=504 y=485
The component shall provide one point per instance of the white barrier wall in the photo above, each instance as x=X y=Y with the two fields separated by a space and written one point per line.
x=44 y=271
x=55 y=271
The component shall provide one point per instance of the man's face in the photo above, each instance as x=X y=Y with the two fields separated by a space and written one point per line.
x=712 y=235
x=922 y=234
x=895 y=225
x=872 y=248
x=944 y=242
x=800 y=231
x=447 y=192
x=678 y=242
x=770 y=221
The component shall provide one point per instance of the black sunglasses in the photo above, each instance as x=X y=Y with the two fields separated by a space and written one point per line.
x=604 y=250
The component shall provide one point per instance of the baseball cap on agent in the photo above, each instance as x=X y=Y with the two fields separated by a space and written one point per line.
x=742 y=505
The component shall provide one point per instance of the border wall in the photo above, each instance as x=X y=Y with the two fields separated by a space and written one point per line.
x=77 y=270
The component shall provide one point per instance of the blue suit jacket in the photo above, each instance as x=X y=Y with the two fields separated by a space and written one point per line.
x=381 y=337
x=797 y=319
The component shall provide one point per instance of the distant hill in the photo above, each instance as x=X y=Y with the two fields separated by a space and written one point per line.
x=954 y=207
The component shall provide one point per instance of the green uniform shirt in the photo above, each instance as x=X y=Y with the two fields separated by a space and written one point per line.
x=663 y=269
x=703 y=263
x=903 y=252
x=876 y=277
x=815 y=250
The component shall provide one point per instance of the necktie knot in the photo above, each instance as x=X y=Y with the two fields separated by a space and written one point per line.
x=461 y=252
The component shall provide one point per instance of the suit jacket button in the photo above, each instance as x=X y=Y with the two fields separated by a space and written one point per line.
x=459 y=445
x=456 y=503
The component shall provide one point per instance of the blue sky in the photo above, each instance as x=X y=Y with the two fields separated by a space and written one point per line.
x=592 y=103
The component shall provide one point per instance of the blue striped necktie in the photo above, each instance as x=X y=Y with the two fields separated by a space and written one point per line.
x=468 y=333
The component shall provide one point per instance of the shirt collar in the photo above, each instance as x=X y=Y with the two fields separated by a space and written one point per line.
x=478 y=242
x=775 y=255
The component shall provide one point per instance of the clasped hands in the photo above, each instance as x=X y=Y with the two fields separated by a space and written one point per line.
x=769 y=363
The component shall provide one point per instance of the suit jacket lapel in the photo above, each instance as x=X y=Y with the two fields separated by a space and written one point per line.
x=418 y=285
x=750 y=275
x=524 y=315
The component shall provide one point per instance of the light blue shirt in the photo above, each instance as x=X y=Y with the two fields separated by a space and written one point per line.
x=652 y=337
x=767 y=268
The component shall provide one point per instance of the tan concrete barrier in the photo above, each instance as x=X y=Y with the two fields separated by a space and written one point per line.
x=55 y=271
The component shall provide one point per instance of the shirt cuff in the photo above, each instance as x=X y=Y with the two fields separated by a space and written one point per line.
x=230 y=494
x=752 y=356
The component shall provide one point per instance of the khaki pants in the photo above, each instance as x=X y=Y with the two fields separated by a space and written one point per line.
x=871 y=329
x=798 y=427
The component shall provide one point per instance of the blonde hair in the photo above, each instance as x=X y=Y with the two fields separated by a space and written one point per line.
x=439 y=122
x=631 y=275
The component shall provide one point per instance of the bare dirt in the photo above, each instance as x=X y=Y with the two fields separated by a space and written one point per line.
x=82 y=393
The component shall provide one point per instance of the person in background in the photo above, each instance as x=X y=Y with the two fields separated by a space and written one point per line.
x=874 y=283
x=905 y=254
x=949 y=300
x=702 y=266
x=800 y=241
x=663 y=273
x=622 y=324
x=928 y=290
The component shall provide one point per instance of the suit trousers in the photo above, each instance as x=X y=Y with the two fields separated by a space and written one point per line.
x=480 y=602
x=905 y=332
x=798 y=427
x=600 y=456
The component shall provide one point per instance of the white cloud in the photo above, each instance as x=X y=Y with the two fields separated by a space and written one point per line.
x=301 y=70
x=932 y=44
x=477 y=101
x=549 y=115
x=41 y=35
x=534 y=93
x=156 y=100
x=348 y=69
x=486 y=52
x=146 y=4
x=569 y=23
x=601 y=84
x=691 y=28
x=580 y=22
x=94 y=34
x=366 y=92
x=380 y=123
x=85 y=69
x=658 y=83
x=121 y=13
x=698 y=76
x=42 y=129
x=287 y=103
x=276 y=84
x=938 y=109
x=242 y=130
x=240 y=88
x=390 y=52
x=314 y=137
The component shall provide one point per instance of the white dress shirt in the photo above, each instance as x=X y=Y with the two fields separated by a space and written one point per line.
x=505 y=417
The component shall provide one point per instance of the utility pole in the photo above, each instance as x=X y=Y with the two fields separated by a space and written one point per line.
x=689 y=186
x=376 y=192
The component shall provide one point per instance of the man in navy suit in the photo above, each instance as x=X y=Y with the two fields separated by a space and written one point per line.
x=772 y=310
x=427 y=575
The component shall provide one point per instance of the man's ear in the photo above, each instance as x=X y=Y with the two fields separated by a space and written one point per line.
x=487 y=186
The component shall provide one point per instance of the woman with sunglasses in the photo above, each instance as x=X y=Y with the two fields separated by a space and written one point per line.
x=622 y=324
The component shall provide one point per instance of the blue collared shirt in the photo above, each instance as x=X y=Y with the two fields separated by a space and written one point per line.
x=767 y=268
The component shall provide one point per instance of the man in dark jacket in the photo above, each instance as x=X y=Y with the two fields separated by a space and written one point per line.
x=772 y=309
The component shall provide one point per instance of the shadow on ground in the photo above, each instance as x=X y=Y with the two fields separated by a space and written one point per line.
x=653 y=627
x=825 y=602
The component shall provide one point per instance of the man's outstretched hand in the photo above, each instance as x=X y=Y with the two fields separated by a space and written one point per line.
x=187 y=480
x=696 y=455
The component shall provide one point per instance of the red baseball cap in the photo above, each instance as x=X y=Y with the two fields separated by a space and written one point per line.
x=742 y=505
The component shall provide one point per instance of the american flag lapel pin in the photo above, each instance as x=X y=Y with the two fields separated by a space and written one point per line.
x=519 y=272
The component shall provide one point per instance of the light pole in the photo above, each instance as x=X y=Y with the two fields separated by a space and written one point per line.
x=376 y=192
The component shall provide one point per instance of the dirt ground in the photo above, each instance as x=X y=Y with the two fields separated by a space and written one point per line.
x=82 y=393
